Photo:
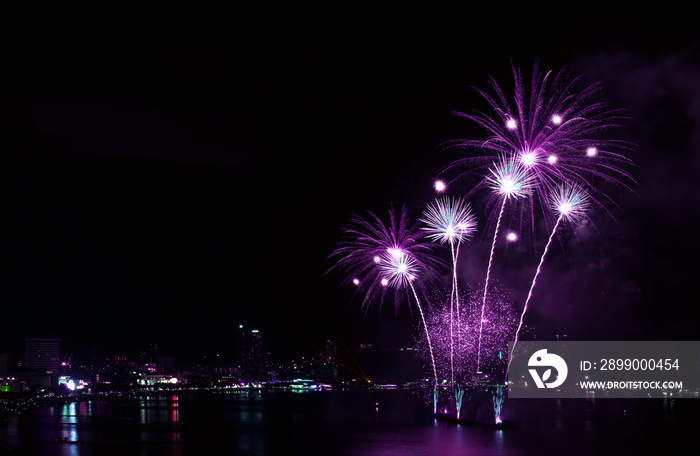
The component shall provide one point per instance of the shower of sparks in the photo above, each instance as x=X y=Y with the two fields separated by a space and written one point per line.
x=499 y=322
x=459 y=396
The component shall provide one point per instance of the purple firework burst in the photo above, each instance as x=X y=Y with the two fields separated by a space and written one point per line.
x=569 y=202
x=553 y=130
x=449 y=220
x=379 y=258
x=509 y=178
x=393 y=257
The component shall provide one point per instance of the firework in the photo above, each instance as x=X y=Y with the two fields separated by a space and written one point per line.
x=378 y=258
x=371 y=253
x=451 y=221
x=541 y=149
x=570 y=203
x=551 y=127
x=508 y=179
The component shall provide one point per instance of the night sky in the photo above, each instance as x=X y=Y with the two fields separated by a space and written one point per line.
x=165 y=183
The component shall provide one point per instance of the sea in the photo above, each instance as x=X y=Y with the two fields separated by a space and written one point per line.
x=357 y=422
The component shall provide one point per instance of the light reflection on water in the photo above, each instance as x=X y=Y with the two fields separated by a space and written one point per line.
x=439 y=438
x=350 y=424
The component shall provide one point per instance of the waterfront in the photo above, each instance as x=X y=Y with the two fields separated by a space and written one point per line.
x=340 y=423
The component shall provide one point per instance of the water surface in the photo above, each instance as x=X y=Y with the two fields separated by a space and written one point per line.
x=355 y=423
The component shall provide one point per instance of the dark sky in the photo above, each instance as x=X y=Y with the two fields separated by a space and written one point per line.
x=165 y=183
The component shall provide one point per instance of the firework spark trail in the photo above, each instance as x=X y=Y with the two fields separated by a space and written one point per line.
x=427 y=334
x=454 y=309
x=450 y=220
x=455 y=285
x=508 y=179
x=529 y=294
x=454 y=298
x=399 y=269
x=570 y=202
x=486 y=285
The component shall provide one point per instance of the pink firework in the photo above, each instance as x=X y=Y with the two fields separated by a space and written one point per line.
x=377 y=258
x=553 y=129
x=368 y=250
x=569 y=202
x=450 y=220
x=508 y=180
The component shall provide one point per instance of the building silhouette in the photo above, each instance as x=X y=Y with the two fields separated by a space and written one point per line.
x=43 y=354
x=251 y=350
